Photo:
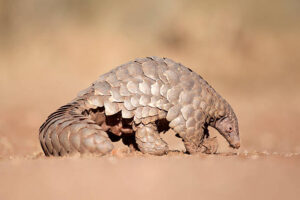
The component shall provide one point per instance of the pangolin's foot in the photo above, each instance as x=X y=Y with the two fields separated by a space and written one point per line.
x=209 y=146
x=149 y=141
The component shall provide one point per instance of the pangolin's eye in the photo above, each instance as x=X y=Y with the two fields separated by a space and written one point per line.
x=229 y=129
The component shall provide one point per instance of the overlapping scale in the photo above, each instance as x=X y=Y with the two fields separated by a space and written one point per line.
x=110 y=107
x=102 y=88
x=149 y=68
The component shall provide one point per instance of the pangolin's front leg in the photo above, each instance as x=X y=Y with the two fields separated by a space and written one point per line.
x=192 y=141
x=200 y=142
x=149 y=141
x=209 y=145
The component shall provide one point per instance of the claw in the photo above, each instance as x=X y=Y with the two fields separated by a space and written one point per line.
x=209 y=146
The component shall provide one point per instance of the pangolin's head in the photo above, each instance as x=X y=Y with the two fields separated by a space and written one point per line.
x=229 y=128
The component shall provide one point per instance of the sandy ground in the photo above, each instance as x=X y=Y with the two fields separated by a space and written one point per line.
x=247 y=50
x=175 y=176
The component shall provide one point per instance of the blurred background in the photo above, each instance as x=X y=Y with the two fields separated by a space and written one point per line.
x=247 y=50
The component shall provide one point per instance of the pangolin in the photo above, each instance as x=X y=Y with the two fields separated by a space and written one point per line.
x=138 y=100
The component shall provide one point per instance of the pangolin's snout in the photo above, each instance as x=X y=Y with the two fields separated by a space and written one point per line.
x=235 y=142
x=235 y=145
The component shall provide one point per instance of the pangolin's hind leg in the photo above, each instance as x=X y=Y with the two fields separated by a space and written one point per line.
x=149 y=141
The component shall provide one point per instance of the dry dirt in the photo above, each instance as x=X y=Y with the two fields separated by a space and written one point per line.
x=175 y=176
x=247 y=50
